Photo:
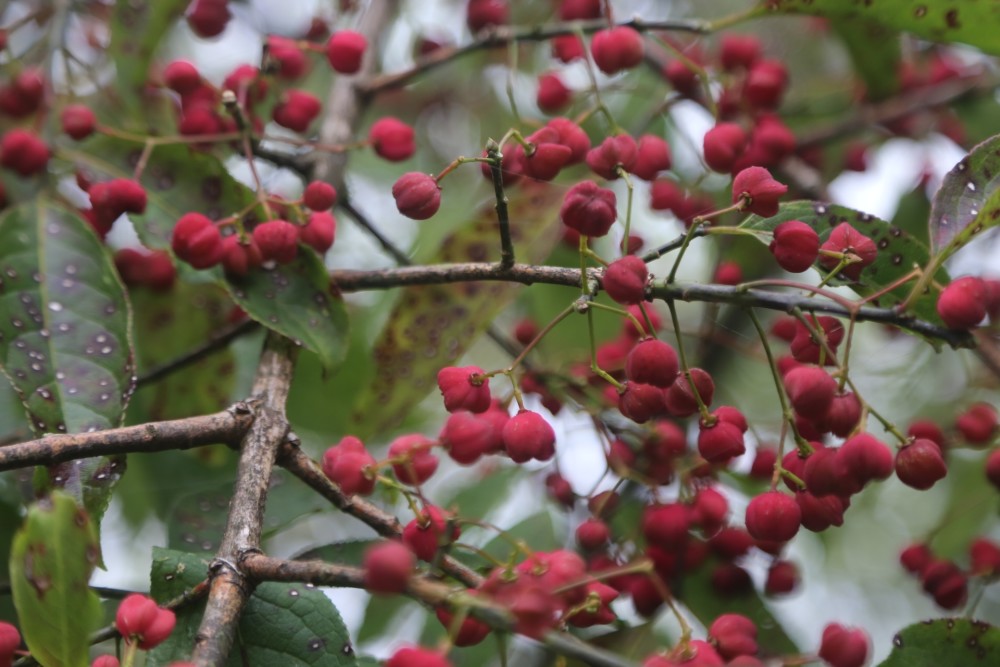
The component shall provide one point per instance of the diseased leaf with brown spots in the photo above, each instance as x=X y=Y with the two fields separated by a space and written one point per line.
x=432 y=326
x=968 y=201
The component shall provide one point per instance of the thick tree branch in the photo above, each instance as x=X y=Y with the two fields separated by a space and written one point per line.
x=226 y=427
x=430 y=592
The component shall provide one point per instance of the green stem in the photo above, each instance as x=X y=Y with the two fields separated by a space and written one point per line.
x=506 y=243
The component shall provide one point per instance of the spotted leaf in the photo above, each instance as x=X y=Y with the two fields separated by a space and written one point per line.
x=945 y=642
x=875 y=53
x=52 y=558
x=287 y=624
x=295 y=299
x=966 y=21
x=177 y=178
x=968 y=201
x=898 y=252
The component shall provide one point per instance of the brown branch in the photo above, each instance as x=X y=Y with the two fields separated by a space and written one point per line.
x=430 y=592
x=504 y=35
x=226 y=427
x=350 y=281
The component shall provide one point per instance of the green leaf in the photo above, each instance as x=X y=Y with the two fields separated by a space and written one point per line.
x=875 y=54
x=432 y=326
x=898 y=252
x=178 y=179
x=945 y=642
x=968 y=201
x=295 y=299
x=966 y=21
x=283 y=624
x=51 y=561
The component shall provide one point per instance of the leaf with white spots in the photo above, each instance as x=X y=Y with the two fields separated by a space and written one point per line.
x=968 y=201
x=945 y=642
x=293 y=625
x=898 y=252
x=967 y=21
x=177 y=178
x=296 y=300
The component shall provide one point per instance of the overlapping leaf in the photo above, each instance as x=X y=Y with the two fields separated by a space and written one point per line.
x=968 y=201
x=945 y=642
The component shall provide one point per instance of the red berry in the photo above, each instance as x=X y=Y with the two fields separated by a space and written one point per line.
x=847 y=240
x=723 y=145
x=413 y=460
x=208 y=18
x=238 y=258
x=625 y=280
x=666 y=526
x=24 y=152
x=979 y=424
x=10 y=641
x=560 y=489
x=392 y=139
x=652 y=362
x=728 y=273
x=567 y=48
x=546 y=160
x=866 y=458
x=616 y=49
x=962 y=304
x=782 y=578
x=617 y=151
x=197 y=241
x=140 y=619
x=278 y=240
x=579 y=9
x=417 y=195
x=984 y=557
x=773 y=517
x=733 y=635
x=795 y=246
x=653 y=156
x=709 y=510
x=528 y=436
x=464 y=388
x=665 y=195
x=470 y=632
x=843 y=415
x=296 y=110
x=181 y=76
x=319 y=196
x=112 y=198
x=772 y=139
x=525 y=331
x=810 y=390
x=247 y=83
x=592 y=534
x=429 y=530
x=589 y=209
x=763 y=192
x=945 y=583
x=681 y=77
x=467 y=436
x=482 y=14
x=285 y=53
x=345 y=50
x=572 y=135
x=319 y=231
x=346 y=464
x=920 y=464
x=720 y=442
x=416 y=656
x=993 y=468
x=78 y=121
x=844 y=647
x=915 y=558
x=738 y=51
x=109 y=661
x=553 y=94
x=679 y=399
x=765 y=84
x=805 y=347
x=640 y=402
x=388 y=566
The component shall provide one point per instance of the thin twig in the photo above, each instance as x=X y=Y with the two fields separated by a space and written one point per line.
x=216 y=342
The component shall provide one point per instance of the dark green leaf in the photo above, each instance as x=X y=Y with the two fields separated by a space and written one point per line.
x=875 y=54
x=898 y=252
x=178 y=179
x=967 y=21
x=51 y=561
x=969 y=199
x=282 y=624
x=945 y=642
x=295 y=299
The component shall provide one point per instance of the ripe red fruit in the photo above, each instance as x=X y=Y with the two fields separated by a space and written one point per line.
x=617 y=151
x=112 y=198
x=681 y=77
x=346 y=464
x=915 y=558
x=278 y=240
x=709 y=510
x=763 y=192
x=625 y=280
x=652 y=362
x=866 y=458
x=843 y=415
x=470 y=632
x=208 y=18
x=962 y=304
x=553 y=94
x=984 y=557
x=979 y=424
x=78 y=121
x=820 y=512
x=773 y=517
x=738 y=51
x=417 y=195
x=567 y=48
x=528 y=436
x=993 y=468
x=546 y=160
x=723 y=145
x=782 y=578
x=806 y=349
x=197 y=241
x=296 y=110
x=560 y=489
x=653 y=156
x=10 y=641
x=464 y=388
x=392 y=139
x=238 y=259
x=920 y=464
x=413 y=460
x=345 y=50
x=429 y=530
x=795 y=246
x=416 y=656
x=109 y=661
x=810 y=390
x=181 y=76
x=24 y=152
x=570 y=10
x=846 y=239
x=388 y=566
x=286 y=57
x=666 y=526
x=720 y=442
x=640 y=402
x=139 y=619
x=679 y=399
x=733 y=635
x=844 y=647
x=589 y=209
x=592 y=534
x=467 y=436
x=946 y=583
x=728 y=273
x=617 y=49
x=572 y=135
x=486 y=13
x=319 y=231
x=765 y=84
